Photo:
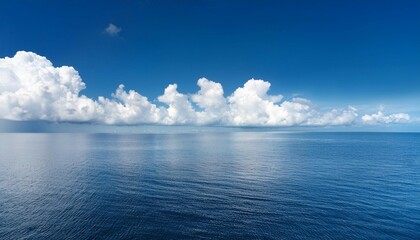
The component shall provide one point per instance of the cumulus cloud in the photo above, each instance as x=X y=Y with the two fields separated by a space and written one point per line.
x=211 y=101
x=381 y=118
x=112 y=30
x=31 y=88
x=180 y=109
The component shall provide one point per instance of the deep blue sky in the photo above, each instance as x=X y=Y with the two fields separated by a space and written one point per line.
x=332 y=52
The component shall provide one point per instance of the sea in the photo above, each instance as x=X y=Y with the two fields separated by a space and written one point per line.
x=210 y=185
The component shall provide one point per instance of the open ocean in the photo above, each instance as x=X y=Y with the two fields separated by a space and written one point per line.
x=221 y=185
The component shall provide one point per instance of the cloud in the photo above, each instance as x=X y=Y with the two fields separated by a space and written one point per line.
x=211 y=101
x=112 y=30
x=381 y=118
x=128 y=108
x=31 y=88
x=180 y=109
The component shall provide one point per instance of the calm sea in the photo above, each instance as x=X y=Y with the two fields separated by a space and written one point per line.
x=226 y=185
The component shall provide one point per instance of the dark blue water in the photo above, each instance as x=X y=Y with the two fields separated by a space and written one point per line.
x=233 y=185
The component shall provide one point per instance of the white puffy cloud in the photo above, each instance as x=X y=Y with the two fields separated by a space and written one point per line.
x=251 y=105
x=31 y=88
x=381 y=118
x=211 y=101
x=129 y=108
x=112 y=30
x=180 y=110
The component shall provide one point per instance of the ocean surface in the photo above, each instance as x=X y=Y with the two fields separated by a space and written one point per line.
x=222 y=185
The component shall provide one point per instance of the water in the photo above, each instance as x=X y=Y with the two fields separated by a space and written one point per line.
x=232 y=185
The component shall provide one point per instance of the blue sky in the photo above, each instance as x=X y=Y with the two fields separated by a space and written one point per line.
x=336 y=53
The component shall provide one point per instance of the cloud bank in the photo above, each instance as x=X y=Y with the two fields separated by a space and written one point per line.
x=31 y=88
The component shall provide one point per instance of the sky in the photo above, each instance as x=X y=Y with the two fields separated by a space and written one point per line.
x=239 y=63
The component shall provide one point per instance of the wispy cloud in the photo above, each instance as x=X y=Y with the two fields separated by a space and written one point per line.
x=31 y=88
x=112 y=30
x=380 y=118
